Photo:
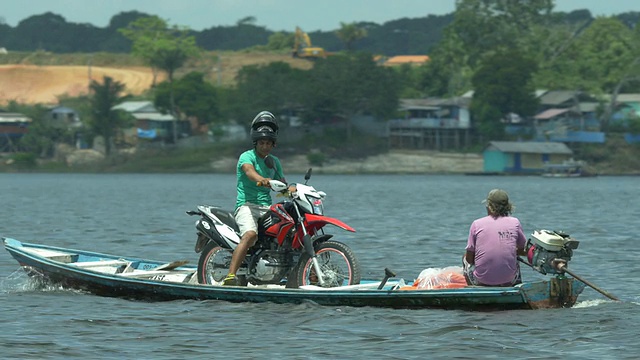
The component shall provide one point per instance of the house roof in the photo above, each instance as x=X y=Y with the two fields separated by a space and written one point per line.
x=62 y=110
x=153 y=116
x=550 y=113
x=433 y=103
x=530 y=147
x=407 y=59
x=558 y=97
x=628 y=98
x=7 y=117
x=136 y=106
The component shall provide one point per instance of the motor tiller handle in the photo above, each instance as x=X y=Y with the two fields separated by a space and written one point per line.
x=387 y=274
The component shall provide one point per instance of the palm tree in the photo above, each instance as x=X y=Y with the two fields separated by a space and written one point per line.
x=349 y=34
x=104 y=120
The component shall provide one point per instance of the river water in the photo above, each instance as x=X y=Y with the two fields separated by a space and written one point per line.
x=406 y=223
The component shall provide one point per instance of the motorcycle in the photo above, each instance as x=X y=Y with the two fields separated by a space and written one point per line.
x=292 y=248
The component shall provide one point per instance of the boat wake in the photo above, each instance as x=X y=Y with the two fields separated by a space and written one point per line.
x=591 y=303
x=20 y=282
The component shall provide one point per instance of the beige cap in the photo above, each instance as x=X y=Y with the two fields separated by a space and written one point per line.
x=498 y=197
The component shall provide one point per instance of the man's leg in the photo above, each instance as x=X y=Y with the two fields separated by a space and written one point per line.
x=246 y=222
x=467 y=270
x=248 y=239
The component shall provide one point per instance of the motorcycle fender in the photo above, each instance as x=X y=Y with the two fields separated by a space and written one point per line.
x=311 y=219
x=207 y=230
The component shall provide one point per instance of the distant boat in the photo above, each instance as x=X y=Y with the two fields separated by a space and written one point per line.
x=567 y=169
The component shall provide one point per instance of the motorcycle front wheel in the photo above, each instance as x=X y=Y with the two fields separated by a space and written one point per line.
x=213 y=265
x=337 y=263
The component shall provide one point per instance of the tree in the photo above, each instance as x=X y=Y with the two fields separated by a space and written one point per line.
x=605 y=60
x=350 y=85
x=503 y=86
x=349 y=34
x=104 y=120
x=162 y=48
x=272 y=87
x=486 y=26
x=194 y=97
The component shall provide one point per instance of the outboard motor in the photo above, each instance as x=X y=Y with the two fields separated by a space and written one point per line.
x=546 y=249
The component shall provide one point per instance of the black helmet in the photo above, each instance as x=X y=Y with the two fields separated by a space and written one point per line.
x=264 y=126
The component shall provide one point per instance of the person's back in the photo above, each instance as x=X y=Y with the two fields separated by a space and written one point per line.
x=494 y=243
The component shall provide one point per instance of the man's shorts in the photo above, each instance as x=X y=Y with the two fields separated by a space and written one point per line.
x=467 y=270
x=247 y=217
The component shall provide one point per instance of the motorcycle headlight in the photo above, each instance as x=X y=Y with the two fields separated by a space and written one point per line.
x=316 y=205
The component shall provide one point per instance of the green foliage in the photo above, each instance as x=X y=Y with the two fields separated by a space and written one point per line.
x=280 y=41
x=273 y=87
x=504 y=81
x=634 y=126
x=351 y=85
x=502 y=86
x=41 y=137
x=447 y=73
x=349 y=34
x=486 y=26
x=316 y=158
x=194 y=97
x=159 y=46
x=105 y=121
x=25 y=160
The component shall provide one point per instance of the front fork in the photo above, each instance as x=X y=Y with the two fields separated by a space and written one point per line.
x=308 y=247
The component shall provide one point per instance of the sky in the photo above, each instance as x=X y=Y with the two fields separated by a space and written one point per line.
x=275 y=15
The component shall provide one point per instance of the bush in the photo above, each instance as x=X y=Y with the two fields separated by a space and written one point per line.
x=316 y=158
x=25 y=160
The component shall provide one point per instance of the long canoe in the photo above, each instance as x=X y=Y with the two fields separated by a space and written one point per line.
x=150 y=280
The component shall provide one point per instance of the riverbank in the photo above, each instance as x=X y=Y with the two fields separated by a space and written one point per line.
x=393 y=162
x=223 y=160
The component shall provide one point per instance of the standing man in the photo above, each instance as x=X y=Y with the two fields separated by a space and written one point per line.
x=494 y=243
x=254 y=170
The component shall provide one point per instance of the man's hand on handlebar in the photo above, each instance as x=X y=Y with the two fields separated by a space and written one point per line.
x=264 y=182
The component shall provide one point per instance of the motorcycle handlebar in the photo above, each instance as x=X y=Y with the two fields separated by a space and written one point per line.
x=275 y=185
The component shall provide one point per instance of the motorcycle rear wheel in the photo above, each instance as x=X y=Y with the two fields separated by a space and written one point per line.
x=213 y=265
x=337 y=262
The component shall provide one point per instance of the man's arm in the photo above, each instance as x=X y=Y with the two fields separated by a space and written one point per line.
x=253 y=175
x=470 y=257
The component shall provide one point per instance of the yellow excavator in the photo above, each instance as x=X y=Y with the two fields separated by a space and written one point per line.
x=302 y=47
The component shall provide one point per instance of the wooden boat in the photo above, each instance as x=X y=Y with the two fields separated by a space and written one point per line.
x=140 y=279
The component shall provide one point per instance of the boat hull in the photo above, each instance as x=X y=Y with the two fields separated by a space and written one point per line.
x=69 y=268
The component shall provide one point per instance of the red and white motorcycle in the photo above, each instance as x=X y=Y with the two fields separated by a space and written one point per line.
x=292 y=247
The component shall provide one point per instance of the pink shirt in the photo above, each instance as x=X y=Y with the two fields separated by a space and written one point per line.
x=495 y=242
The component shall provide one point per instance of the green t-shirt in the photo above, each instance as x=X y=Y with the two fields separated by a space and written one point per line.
x=248 y=191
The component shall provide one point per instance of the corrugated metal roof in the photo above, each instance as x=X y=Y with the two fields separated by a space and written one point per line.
x=628 y=98
x=136 y=106
x=153 y=116
x=530 y=147
x=6 y=117
x=550 y=113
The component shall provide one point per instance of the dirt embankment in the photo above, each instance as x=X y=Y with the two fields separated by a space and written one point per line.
x=32 y=84
x=42 y=79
